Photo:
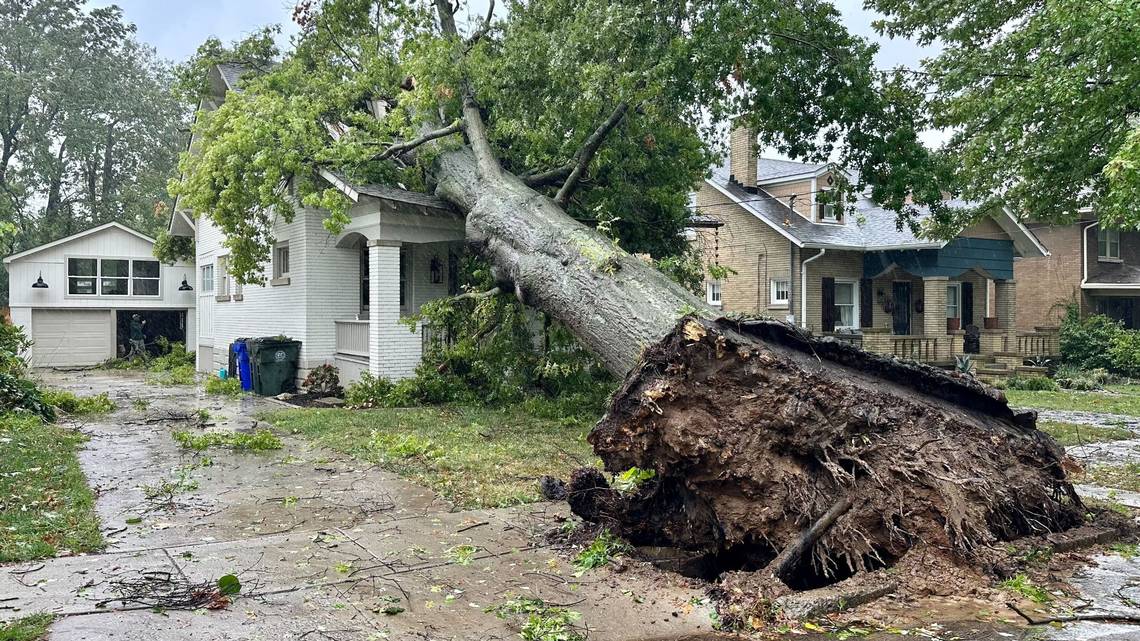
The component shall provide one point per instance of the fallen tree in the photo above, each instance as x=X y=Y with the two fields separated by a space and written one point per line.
x=772 y=450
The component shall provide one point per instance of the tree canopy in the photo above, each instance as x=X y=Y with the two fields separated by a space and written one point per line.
x=89 y=129
x=606 y=106
x=1042 y=98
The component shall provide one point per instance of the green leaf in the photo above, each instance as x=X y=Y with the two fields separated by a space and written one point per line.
x=229 y=585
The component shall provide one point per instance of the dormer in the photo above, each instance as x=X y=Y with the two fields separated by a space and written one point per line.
x=796 y=185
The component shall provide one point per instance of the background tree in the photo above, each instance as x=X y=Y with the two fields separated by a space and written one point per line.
x=89 y=129
x=1041 y=97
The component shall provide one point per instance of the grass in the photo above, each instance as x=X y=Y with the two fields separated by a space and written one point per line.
x=45 y=504
x=1121 y=477
x=474 y=457
x=180 y=375
x=1068 y=434
x=29 y=628
x=1116 y=399
x=1022 y=585
x=259 y=441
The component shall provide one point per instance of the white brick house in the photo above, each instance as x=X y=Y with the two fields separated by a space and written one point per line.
x=342 y=296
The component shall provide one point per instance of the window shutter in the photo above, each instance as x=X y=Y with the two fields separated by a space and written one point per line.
x=967 y=304
x=866 y=307
x=827 y=311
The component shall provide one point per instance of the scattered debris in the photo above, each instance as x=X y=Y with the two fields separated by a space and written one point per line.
x=173 y=591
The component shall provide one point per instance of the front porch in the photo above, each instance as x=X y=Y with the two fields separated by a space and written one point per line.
x=400 y=251
x=936 y=306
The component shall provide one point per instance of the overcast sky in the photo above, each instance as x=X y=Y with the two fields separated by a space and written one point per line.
x=176 y=29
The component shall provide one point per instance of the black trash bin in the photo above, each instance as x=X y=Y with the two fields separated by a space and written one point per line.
x=274 y=361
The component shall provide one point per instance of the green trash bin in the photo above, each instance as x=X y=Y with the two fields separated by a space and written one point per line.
x=274 y=362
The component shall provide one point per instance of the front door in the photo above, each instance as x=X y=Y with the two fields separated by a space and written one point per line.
x=901 y=325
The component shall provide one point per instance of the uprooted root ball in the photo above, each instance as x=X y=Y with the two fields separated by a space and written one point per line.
x=814 y=460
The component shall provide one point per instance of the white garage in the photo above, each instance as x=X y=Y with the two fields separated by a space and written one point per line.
x=75 y=297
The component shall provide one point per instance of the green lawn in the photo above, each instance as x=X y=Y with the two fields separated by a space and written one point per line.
x=1068 y=434
x=31 y=628
x=1121 y=477
x=1117 y=399
x=473 y=457
x=45 y=504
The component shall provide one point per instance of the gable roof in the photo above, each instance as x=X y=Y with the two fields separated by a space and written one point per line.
x=68 y=239
x=877 y=230
x=772 y=169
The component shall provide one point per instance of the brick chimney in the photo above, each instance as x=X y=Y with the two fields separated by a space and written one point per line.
x=742 y=156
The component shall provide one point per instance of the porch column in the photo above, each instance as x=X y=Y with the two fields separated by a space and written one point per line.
x=383 y=298
x=934 y=314
x=1006 y=294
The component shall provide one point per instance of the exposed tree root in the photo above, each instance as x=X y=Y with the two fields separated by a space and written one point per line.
x=816 y=460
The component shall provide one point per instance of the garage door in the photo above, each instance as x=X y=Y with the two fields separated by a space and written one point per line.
x=66 y=337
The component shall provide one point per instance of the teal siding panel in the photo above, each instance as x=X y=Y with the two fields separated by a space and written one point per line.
x=994 y=257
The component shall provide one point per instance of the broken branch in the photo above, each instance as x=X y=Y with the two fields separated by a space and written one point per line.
x=408 y=145
x=1068 y=618
x=786 y=561
x=548 y=177
x=494 y=291
x=485 y=29
x=587 y=152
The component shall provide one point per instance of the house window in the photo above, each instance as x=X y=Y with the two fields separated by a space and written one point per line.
x=281 y=260
x=404 y=276
x=364 y=278
x=846 y=305
x=222 y=276
x=781 y=292
x=82 y=274
x=954 y=300
x=207 y=286
x=1108 y=244
x=712 y=292
x=145 y=277
x=114 y=276
x=829 y=213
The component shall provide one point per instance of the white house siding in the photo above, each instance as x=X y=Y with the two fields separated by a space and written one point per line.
x=332 y=290
x=263 y=310
x=111 y=242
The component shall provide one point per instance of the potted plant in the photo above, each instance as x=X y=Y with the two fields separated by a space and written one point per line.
x=953 y=324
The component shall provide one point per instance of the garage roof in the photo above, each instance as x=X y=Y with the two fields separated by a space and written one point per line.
x=89 y=232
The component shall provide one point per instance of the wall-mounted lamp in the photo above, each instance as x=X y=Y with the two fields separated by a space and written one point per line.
x=436 y=270
x=40 y=284
x=185 y=286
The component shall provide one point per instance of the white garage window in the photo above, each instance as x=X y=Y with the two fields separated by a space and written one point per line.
x=113 y=277
x=81 y=276
x=144 y=277
x=207 y=279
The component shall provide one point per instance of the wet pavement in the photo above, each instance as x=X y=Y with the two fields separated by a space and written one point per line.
x=325 y=546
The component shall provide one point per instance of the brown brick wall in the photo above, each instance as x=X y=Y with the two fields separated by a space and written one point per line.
x=757 y=252
x=1044 y=285
x=840 y=265
x=802 y=191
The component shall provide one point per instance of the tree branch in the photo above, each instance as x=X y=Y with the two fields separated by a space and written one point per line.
x=494 y=291
x=586 y=153
x=548 y=177
x=485 y=29
x=408 y=145
x=476 y=131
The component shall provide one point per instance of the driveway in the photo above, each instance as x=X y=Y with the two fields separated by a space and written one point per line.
x=325 y=547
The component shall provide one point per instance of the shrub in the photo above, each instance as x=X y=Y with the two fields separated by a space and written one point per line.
x=1072 y=378
x=1087 y=344
x=223 y=386
x=1125 y=353
x=19 y=394
x=324 y=380
x=369 y=391
x=13 y=342
x=1031 y=384
x=69 y=403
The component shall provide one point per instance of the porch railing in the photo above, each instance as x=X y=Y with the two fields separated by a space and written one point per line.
x=847 y=337
x=919 y=348
x=352 y=337
x=1038 y=343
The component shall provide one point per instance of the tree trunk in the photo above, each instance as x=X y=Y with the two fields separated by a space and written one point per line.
x=615 y=303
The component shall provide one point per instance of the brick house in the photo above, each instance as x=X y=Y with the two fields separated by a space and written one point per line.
x=1097 y=268
x=851 y=272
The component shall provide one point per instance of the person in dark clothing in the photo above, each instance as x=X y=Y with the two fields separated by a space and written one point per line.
x=137 y=337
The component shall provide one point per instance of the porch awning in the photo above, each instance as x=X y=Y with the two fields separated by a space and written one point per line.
x=991 y=257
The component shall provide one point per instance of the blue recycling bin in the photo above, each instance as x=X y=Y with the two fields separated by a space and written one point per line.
x=241 y=359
